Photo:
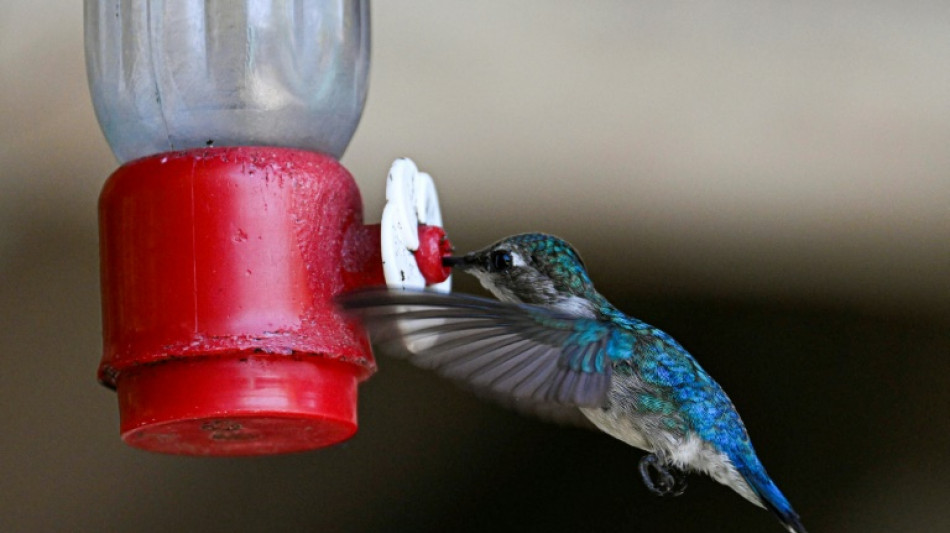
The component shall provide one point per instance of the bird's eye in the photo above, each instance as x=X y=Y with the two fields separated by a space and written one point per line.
x=500 y=260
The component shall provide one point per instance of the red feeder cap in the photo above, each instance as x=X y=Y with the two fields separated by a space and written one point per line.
x=219 y=268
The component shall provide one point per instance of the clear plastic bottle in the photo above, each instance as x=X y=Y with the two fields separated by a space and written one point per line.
x=191 y=73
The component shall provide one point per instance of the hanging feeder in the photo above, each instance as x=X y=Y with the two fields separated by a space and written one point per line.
x=231 y=226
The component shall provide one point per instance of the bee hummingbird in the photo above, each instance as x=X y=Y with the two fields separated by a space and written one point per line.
x=555 y=347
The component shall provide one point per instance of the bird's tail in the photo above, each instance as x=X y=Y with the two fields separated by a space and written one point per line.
x=774 y=501
x=772 y=498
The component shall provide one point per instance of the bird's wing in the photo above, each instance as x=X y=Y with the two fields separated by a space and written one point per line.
x=527 y=357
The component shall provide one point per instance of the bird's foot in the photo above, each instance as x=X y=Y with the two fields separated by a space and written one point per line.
x=662 y=478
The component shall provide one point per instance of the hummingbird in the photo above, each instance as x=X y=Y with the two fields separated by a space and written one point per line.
x=553 y=346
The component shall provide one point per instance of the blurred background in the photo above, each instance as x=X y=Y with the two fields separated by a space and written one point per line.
x=768 y=182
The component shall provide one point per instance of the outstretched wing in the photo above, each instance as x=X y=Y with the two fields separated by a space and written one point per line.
x=527 y=357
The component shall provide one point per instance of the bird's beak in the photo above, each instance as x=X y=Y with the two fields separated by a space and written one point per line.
x=456 y=261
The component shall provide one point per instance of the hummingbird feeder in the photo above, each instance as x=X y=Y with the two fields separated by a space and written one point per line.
x=231 y=226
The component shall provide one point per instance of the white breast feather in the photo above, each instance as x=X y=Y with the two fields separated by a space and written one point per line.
x=690 y=453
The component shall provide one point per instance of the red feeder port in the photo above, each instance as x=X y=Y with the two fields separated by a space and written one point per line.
x=433 y=246
x=219 y=267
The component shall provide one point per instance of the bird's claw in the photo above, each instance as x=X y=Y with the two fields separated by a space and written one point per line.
x=662 y=478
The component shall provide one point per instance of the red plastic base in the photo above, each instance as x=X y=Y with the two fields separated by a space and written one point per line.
x=219 y=269
x=245 y=406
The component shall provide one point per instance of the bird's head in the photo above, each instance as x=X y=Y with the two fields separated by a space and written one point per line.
x=531 y=268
